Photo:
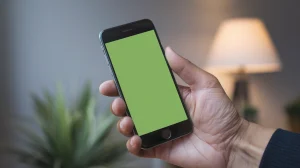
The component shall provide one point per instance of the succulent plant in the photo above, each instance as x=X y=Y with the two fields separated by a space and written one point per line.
x=73 y=137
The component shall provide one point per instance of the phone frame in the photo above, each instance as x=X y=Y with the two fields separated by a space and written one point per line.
x=154 y=138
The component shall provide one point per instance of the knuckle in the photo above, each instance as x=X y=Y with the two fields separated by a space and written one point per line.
x=212 y=82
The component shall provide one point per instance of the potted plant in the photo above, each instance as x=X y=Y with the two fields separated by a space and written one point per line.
x=68 y=137
x=293 y=112
x=250 y=113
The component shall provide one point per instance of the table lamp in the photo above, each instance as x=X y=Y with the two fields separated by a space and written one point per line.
x=242 y=46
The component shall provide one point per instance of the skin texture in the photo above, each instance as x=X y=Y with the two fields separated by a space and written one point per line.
x=220 y=136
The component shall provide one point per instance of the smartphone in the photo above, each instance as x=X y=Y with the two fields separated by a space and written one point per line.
x=146 y=83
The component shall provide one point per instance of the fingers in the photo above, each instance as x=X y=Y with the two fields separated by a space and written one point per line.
x=125 y=126
x=188 y=72
x=118 y=107
x=108 y=88
x=134 y=145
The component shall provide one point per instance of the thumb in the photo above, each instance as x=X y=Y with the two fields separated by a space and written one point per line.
x=189 y=72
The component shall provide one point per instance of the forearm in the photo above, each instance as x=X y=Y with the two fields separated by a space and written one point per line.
x=249 y=145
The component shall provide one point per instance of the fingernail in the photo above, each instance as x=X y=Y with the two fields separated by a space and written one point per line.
x=122 y=124
x=100 y=87
x=132 y=142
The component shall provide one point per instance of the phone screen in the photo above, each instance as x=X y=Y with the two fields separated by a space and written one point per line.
x=145 y=81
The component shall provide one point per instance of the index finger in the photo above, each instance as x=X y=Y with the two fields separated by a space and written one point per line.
x=108 y=88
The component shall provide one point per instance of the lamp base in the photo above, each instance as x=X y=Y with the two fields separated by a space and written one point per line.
x=240 y=94
x=241 y=99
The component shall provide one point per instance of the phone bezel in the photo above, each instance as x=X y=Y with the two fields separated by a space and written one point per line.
x=108 y=35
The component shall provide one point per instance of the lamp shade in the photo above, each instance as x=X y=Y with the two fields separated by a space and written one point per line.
x=243 y=43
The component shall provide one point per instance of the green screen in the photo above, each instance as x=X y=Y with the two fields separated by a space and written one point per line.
x=146 y=82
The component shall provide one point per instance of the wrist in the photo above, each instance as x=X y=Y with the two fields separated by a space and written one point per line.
x=248 y=146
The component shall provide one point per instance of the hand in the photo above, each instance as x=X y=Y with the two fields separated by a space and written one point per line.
x=217 y=125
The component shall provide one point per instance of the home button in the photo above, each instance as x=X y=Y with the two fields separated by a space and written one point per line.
x=166 y=133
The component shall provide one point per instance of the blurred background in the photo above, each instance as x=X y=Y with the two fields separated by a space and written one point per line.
x=45 y=42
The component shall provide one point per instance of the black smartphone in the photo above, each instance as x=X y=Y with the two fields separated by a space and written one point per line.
x=145 y=82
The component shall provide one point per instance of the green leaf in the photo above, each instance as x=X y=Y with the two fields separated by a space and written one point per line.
x=57 y=163
x=49 y=99
x=97 y=139
x=44 y=111
x=32 y=139
x=41 y=108
x=108 y=155
x=30 y=158
x=85 y=96
x=103 y=129
x=76 y=125
x=83 y=142
x=32 y=136
x=44 y=154
x=62 y=129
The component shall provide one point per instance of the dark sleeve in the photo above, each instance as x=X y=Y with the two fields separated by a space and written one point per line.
x=283 y=151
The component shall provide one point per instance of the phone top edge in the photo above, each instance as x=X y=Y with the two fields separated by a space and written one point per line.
x=122 y=25
x=126 y=24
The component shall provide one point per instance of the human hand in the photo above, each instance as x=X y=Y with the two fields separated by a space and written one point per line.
x=217 y=124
